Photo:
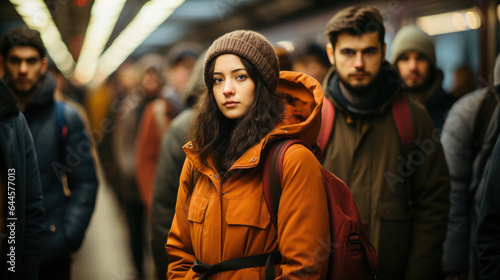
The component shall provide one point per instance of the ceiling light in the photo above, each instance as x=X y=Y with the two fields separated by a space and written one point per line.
x=450 y=22
x=36 y=16
x=103 y=18
x=151 y=15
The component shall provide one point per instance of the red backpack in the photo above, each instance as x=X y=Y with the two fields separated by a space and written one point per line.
x=351 y=256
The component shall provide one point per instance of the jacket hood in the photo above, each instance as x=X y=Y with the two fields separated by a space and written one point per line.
x=45 y=93
x=434 y=87
x=8 y=102
x=388 y=84
x=436 y=96
x=303 y=99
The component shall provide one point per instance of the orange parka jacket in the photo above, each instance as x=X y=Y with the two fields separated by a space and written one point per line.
x=227 y=218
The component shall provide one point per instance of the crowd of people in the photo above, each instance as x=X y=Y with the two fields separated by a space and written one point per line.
x=182 y=139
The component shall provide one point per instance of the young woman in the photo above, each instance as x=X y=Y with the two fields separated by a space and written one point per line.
x=221 y=213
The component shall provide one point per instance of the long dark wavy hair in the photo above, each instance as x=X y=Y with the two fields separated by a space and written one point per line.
x=225 y=140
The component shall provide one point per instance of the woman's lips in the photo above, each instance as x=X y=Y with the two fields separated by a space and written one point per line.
x=230 y=103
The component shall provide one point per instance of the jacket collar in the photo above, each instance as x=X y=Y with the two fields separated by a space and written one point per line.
x=302 y=119
x=45 y=94
x=435 y=92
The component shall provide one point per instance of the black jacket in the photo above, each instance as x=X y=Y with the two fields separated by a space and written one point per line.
x=19 y=166
x=438 y=102
x=488 y=227
x=66 y=215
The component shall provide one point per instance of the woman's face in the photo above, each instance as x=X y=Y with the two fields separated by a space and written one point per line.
x=233 y=88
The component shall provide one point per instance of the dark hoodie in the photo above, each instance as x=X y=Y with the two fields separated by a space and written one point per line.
x=67 y=216
x=24 y=197
x=437 y=101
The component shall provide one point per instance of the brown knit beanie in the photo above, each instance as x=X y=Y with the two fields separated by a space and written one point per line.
x=253 y=47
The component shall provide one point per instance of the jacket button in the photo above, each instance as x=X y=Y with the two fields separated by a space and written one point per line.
x=190 y=146
x=254 y=159
x=223 y=193
x=215 y=176
x=52 y=228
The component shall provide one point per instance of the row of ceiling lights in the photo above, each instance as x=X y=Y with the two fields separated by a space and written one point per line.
x=93 y=65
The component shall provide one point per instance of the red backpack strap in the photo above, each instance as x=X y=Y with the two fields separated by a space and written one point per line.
x=404 y=122
x=61 y=122
x=327 y=122
x=272 y=174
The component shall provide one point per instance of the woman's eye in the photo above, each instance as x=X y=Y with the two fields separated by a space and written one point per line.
x=217 y=80
x=241 y=77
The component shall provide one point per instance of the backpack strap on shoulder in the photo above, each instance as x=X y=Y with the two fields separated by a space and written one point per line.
x=272 y=175
x=61 y=122
x=327 y=122
x=404 y=122
x=62 y=131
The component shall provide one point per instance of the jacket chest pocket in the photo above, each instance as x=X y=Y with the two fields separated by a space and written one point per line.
x=247 y=218
x=196 y=216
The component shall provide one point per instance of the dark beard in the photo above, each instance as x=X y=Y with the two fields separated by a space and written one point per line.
x=20 y=94
x=423 y=87
x=360 y=90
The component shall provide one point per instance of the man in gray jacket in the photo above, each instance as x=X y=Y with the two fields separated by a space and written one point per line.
x=468 y=136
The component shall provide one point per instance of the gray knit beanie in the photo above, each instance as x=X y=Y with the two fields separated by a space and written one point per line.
x=253 y=47
x=411 y=38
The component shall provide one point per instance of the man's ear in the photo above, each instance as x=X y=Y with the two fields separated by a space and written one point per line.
x=330 y=52
x=45 y=65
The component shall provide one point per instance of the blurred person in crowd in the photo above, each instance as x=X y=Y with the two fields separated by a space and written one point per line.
x=488 y=226
x=403 y=196
x=312 y=60
x=63 y=149
x=98 y=101
x=130 y=110
x=157 y=119
x=464 y=81
x=170 y=162
x=413 y=54
x=21 y=200
x=468 y=137
x=220 y=212
x=283 y=57
x=120 y=84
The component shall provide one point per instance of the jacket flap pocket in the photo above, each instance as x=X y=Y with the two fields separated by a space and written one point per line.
x=197 y=208
x=394 y=211
x=248 y=212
